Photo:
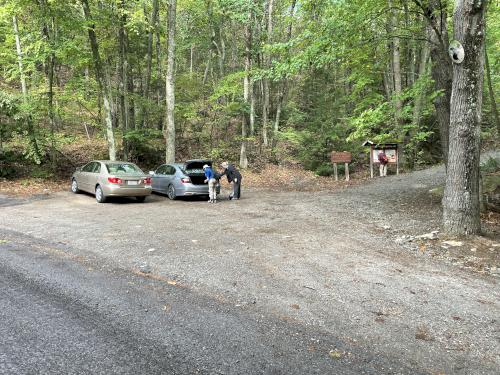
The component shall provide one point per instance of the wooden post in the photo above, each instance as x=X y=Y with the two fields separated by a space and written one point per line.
x=335 y=171
x=347 y=171
x=371 y=161
x=397 y=161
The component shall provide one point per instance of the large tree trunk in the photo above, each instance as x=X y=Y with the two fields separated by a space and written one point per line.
x=170 y=84
x=461 y=194
x=246 y=91
x=101 y=81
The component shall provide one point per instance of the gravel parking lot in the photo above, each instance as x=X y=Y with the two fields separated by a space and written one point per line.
x=326 y=260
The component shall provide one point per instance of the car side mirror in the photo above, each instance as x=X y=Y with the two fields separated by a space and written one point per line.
x=151 y=172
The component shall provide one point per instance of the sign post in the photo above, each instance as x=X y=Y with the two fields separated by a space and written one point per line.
x=341 y=157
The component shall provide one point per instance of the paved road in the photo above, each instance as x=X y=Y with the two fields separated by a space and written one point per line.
x=61 y=315
x=276 y=283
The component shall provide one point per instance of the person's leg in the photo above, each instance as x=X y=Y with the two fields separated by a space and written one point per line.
x=237 y=190
x=385 y=170
x=211 y=189
x=381 y=169
x=214 y=190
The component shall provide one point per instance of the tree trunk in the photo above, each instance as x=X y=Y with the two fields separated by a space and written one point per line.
x=124 y=102
x=396 y=61
x=170 y=84
x=101 y=81
x=149 y=61
x=266 y=83
x=24 y=90
x=494 y=108
x=422 y=67
x=461 y=194
x=246 y=90
x=442 y=73
x=284 y=84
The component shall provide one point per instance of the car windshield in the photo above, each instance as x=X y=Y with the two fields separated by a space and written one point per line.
x=123 y=168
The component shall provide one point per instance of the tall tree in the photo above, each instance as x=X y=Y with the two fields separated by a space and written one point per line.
x=461 y=195
x=435 y=12
x=170 y=83
x=102 y=82
x=246 y=90
x=24 y=90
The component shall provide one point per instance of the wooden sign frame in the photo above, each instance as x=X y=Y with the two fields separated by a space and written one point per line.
x=341 y=157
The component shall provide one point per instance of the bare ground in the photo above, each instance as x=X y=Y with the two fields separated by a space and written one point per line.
x=345 y=262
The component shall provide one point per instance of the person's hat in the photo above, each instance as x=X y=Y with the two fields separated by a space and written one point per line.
x=206 y=166
x=224 y=164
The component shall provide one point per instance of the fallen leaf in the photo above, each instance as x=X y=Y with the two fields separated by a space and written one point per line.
x=172 y=282
x=335 y=353
x=295 y=306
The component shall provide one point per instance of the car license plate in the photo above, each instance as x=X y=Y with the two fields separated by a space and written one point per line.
x=132 y=182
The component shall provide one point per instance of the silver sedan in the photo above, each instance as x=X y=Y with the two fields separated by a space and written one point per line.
x=181 y=179
x=106 y=178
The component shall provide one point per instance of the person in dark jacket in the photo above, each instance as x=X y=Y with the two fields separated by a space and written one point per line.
x=232 y=176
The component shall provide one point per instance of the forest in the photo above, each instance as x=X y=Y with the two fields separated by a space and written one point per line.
x=250 y=81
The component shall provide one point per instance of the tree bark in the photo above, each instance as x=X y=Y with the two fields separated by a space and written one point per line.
x=101 y=81
x=170 y=84
x=461 y=195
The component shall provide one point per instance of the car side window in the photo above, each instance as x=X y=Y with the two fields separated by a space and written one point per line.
x=88 y=168
x=170 y=170
x=97 y=168
x=161 y=170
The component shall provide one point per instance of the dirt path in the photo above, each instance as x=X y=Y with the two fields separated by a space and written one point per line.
x=337 y=262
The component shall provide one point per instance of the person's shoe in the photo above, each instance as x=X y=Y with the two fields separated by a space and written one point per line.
x=215 y=201
x=209 y=201
x=230 y=197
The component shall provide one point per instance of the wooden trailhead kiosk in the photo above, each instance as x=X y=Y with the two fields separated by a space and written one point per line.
x=390 y=149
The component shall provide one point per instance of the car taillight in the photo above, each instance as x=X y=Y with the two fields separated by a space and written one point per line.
x=185 y=180
x=115 y=180
x=147 y=181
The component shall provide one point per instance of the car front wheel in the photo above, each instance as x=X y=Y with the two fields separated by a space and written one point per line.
x=74 y=186
x=99 y=195
x=171 y=192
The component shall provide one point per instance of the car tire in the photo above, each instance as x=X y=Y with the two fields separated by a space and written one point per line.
x=171 y=192
x=141 y=199
x=74 y=186
x=99 y=195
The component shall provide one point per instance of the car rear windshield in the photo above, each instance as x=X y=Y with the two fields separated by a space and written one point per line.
x=123 y=168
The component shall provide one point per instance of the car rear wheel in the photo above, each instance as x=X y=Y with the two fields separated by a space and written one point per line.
x=99 y=195
x=171 y=192
x=140 y=199
x=74 y=186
